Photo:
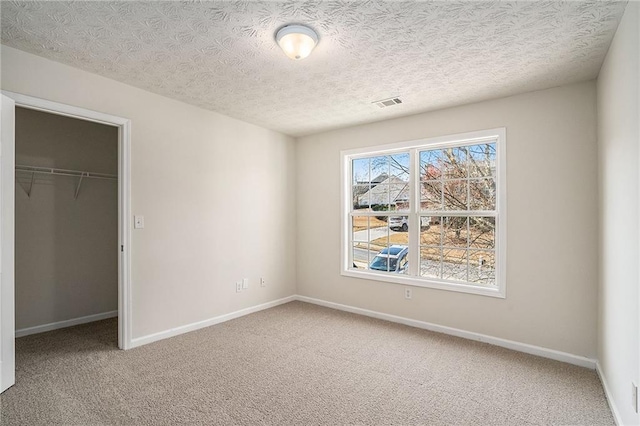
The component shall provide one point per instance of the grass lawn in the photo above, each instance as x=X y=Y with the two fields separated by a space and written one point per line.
x=360 y=222
x=432 y=237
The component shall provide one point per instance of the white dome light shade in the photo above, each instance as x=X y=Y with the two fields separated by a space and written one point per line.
x=297 y=41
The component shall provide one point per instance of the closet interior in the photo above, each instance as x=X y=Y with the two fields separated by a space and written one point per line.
x=66 y=221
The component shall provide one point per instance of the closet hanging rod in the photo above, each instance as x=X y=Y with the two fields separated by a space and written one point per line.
x=64 y=172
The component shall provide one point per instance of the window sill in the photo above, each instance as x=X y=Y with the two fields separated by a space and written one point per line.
x=421 y=282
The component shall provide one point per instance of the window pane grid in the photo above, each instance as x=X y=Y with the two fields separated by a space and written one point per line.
x=456 y=190
x=461 y=178
x=465 y=194
x=472 y=178
x=461 y=262
x=479 y=213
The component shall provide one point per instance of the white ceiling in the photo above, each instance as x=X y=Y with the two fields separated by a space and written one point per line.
x=221 y=55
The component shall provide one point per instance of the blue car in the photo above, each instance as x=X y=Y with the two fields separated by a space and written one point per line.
x=391 y=259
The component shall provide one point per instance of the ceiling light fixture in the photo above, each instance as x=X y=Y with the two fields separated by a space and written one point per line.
x=297 y=41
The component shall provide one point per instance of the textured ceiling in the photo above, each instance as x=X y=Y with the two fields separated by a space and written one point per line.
x=222 y=56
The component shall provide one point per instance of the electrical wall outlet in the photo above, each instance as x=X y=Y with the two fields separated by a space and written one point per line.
x=263 y=282
x=245 y=283
x=238 y=286
x=634 y=396
x=407 y=293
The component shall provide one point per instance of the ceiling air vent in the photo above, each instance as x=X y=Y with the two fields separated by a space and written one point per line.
x=388 y=102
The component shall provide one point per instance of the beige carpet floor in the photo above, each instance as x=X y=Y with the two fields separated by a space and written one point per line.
x=296 y=364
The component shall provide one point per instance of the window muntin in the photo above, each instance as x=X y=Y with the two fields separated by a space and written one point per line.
x=453 y=182
x=379 y=182
x=440 y=202
x=380 y=188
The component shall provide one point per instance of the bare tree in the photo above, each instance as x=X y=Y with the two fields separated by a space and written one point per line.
x=453 y=181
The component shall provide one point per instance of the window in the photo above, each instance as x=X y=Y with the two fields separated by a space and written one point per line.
x=428 y=213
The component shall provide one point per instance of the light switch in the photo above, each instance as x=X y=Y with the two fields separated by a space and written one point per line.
x=138 y=222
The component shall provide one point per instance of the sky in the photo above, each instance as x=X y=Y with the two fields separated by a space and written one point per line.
x=365 y=169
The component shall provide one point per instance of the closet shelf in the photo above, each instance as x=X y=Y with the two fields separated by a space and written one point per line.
x=61 y=172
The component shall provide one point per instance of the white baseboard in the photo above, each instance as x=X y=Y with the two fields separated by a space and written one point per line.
x=207 y=323
x=64 y=324
x=607 y=394
x=509 y=344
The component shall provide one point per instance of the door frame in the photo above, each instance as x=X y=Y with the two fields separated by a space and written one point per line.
x=7 y=227
x=124 y=196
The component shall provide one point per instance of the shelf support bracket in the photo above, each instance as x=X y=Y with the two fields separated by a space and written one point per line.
x=75 y=196
x=33 y=175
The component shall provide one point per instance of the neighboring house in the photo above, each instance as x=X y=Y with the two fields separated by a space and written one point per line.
x=390 y=191
x=362 y=187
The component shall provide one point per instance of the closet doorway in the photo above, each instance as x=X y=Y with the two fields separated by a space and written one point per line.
x=38 y=174
x=66 y=223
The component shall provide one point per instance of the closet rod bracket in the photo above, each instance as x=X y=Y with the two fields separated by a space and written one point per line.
x=61 y=172
x=33 y=175
x=75 y=196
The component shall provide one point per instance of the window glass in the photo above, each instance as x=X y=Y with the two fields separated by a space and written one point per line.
x=452 y=232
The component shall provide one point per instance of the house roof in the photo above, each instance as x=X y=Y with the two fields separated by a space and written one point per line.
x=390 y=190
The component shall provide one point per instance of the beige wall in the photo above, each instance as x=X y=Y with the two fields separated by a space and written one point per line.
x=66 y=249
x=218 y=196
x=619 y=139
x=552 y=220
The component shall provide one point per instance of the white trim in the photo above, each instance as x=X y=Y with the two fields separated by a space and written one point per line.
x=423 y=282
x=459 y=139
x=125 y=314
x=52 y=107
x=64 y=324
x=501 y=208
x=7 y=247
x=125 y=294
x=140 y=341
x=413 y=278
x=608 y=395
x=509 y=344
x=346 y=253
x=415 y=220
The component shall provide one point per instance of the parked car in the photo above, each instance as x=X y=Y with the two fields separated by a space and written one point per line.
x=391 y=259
x=401 y=223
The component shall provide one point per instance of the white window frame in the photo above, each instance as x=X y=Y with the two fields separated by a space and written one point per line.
x=346 y=254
